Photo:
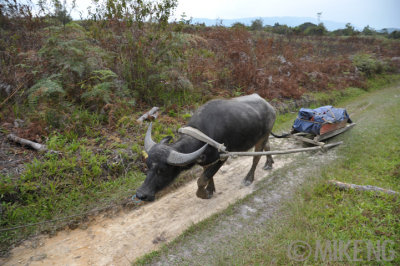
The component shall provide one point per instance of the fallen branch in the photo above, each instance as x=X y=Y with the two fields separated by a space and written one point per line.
x=33 y=145
x=15 y=91
x=150 y=115
x=346 y=186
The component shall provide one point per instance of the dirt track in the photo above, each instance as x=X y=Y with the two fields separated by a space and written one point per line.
x=121 y=239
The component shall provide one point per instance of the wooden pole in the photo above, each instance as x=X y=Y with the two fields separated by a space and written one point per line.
x=296 y=137
x=234 y=154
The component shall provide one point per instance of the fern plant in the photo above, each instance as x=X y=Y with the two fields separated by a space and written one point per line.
x=99 y=88
x=69 y=52
x=48 y=91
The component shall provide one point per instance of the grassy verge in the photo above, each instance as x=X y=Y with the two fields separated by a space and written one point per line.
x=94 y=172
x=320 y=214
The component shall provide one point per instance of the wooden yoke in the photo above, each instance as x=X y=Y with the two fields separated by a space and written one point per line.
x=197 y=134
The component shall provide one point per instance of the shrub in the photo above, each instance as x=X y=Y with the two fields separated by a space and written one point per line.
x=369 y=65
x=68 y=52
x=316 y=30
x=256 y=24
x=394 y=35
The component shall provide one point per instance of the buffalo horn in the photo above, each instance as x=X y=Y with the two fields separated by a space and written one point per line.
x=148 y=142
x=182 y=159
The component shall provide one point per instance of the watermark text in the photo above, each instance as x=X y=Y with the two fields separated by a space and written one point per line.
x=342 y=250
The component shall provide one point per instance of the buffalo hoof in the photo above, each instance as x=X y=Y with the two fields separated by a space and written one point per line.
x=247 y=182
x=144 y=197
x=203 y=194
x=267 y=167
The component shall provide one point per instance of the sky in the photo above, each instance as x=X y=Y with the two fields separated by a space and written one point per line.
x=376 y=13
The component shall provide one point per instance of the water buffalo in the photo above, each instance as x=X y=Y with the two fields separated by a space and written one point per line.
x=240 y=123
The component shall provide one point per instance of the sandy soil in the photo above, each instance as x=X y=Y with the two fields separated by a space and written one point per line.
x=121 y=239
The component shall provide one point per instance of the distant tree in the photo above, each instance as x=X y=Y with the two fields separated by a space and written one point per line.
x=303 y=27
x=184 y=20
x=256 y=24
x=219 y=22
x=136 y=12
x=309 y=28
x=384 y=32
x=61 y=11
x=316 y=30
x=281 y=29
x=349 y=30
x=12 y=9
x=268 y=28
x=394 y=34
x=368 y=31
x=238 y=25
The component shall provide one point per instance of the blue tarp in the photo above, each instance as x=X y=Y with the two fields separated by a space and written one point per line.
x=311 y=120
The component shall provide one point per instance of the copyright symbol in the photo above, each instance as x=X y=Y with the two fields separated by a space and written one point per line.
x=299 y=250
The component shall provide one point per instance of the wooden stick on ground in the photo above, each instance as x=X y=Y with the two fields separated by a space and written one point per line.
x=151 y=115
x=15 y=91
x=346 y=186
x=33 y=145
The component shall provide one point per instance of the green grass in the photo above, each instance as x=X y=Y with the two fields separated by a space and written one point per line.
x=320 y=212
x=56 y=185
x=92 y=172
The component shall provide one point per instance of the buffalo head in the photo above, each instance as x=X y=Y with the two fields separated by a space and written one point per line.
x=164 y=164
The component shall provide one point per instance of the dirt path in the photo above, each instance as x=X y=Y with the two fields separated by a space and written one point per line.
x=120 y=240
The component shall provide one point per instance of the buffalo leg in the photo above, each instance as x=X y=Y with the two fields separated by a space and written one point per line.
x=270 y=161
x=250 y=176
x=210 y=187
x=206 y=179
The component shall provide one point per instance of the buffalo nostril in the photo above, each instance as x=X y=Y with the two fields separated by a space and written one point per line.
x=140 y=196
x=144 y=197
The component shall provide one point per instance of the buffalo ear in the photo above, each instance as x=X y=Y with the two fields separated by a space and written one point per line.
x=166 y=140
